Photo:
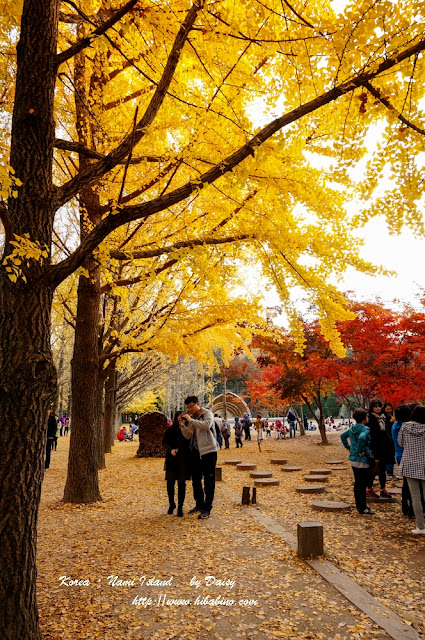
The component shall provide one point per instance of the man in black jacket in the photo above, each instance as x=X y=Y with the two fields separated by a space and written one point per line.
x=52 y=426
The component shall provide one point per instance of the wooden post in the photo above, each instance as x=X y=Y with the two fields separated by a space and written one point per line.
x=254 y=495
x=246 y=495
x=218 y=474
x=310 y=539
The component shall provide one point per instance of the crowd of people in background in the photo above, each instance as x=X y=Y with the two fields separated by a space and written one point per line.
x=379 y=439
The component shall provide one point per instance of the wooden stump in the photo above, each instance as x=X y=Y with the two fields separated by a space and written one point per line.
x=320 y=472
x=289 y=469
x=278 y=461
x=311 y=488
x=218 y=474
x=334 y=461
x=267 y=482
x=316 y=478
x=330 y=505
x=339 y=468
x=260 y=474
x=233 y=462
x=152 y=427
x=310 y=539
x=246 y=466
x=246 y=495
x=254 y=495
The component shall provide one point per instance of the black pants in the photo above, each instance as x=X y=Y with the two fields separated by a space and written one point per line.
x=238 y=441
x=226 y=441
x=382 y=475
x=49 y=445
x=205 y=466
x=247 y=433
x=361 y=480
x=181 y=492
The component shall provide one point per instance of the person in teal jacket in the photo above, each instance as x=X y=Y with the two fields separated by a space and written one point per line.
x=359 y=437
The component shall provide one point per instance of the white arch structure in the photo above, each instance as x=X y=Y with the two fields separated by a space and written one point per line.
x=236 y=406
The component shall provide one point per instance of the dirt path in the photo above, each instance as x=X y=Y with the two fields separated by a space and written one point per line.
x=129 y=536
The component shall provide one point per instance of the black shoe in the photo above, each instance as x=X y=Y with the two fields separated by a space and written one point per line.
x=171 y=509
x=180 y=512
x=367 y=512
x=195 y=509
x=203 y=514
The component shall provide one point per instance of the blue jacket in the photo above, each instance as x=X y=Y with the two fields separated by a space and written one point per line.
x=359 y=435
x=398 y=449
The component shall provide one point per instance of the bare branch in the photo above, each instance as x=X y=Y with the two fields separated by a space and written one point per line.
x=86 y=42
x=377 y=94
x=95 y=171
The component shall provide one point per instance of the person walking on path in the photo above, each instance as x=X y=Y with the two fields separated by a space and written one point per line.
x=356 y=439
x=200 y=430
x=176 y=463
x=382 y=449
x=259 y=427
x=52 y=426
x=292 y=422
x=238 y=434
x=225 y=432
x=246 y=424
x=412 y=438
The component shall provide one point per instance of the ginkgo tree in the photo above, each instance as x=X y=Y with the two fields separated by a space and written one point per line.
x=200 y=70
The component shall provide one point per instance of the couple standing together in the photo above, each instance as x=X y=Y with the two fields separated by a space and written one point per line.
x=191 y=453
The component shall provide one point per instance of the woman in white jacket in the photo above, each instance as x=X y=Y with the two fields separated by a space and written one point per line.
x=412 y=438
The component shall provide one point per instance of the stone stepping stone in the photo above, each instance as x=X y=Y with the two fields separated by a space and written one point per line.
x=289 y=469
x=267 y=482
x=316 y=478
x=339 y=468
x=311 y=488
x=399 y=485
x=233 y=462
x=261 y=474
x=330 y=505
x=320 y=472
x=278 y=461
x=246 y=466
x=396 y=491
x=334 y=461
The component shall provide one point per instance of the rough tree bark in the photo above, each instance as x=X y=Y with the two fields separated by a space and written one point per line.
x=82 y=482
x=27 y=373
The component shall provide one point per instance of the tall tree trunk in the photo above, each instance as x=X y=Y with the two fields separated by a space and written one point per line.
x=321 y=421
x=82 y=483
x=110 y=406
x=27 y=373
x=100 y=420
